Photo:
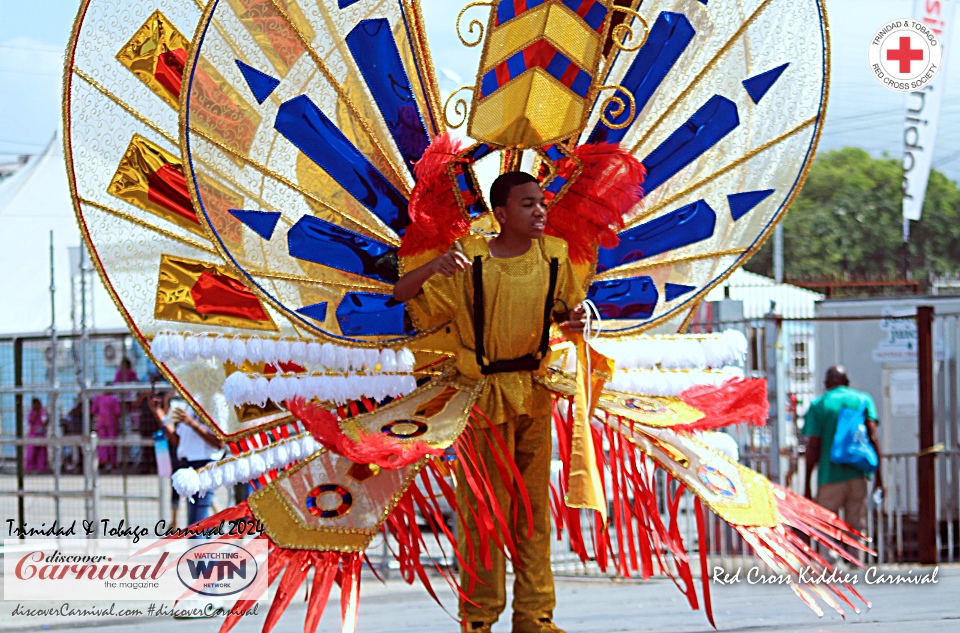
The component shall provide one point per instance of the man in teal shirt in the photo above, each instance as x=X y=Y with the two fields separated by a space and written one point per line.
x=838 y=485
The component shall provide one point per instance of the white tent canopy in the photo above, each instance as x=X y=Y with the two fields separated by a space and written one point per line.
x=756 y=292
x=34 y=202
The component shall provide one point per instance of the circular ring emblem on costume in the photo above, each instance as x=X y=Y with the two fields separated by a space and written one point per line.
x=404 y=429
x=645 y=406
x=905 y=55
x=716 y=481
x=319 y=507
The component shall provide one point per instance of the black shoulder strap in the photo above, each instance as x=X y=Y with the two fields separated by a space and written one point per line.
x=478 y=308
x=548 y=307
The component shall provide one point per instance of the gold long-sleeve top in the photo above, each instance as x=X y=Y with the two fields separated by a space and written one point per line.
x=514 y=292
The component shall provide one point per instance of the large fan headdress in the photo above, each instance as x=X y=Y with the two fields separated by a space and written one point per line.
x=251 y=176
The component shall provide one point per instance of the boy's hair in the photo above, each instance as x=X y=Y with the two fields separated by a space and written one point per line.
x=504 y=184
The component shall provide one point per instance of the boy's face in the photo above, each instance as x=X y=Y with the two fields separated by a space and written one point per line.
x=525 y=213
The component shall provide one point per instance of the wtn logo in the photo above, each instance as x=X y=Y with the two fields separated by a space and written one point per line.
x=223 y=568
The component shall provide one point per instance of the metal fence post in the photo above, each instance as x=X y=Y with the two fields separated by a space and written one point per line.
x=772 y=338
x=18 y=405
x=926 y=476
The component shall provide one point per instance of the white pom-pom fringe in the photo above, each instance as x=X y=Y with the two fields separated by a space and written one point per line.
x=405 y=360
x=243 y=469
x=221 y=349
x=255 y=349
x=654 y=382
x=206 y=480
x=240 y=388
x=190 y=482
x=269 y=350
x=189 y=346
x=720 y=442
x=238 y=351
x=186 y=481
x=694 y=351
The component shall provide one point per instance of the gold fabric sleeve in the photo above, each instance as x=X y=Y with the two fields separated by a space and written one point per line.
x=584 y=488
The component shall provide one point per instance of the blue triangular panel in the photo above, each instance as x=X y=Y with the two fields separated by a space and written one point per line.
x=260 y=222
x=701 y=132
x=343 y=4
x=261 y=84
x=703 y=2
x=672 y=291
x=316 y=311
x=758 y=85
x=742 y=203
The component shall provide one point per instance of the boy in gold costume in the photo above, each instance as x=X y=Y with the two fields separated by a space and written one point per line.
x=527 y=283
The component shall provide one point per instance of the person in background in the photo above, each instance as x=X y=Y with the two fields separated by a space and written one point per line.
x=105 y=410
x=839 y=487
x=125 y=372
x=129 y=412
x=71 y=426
x=159 y=405
x=37 y=422
x=195 y=446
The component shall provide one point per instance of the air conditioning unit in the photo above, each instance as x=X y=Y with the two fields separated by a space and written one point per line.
x=64 y=354
x=112 y=354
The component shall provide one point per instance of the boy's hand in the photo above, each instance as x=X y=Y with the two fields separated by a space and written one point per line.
x=576 y=319
x=450 y=263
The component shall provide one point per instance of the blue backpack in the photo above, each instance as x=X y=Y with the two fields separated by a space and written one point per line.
x=851 y=444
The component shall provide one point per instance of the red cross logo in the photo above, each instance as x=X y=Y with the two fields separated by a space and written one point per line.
x=905 y=55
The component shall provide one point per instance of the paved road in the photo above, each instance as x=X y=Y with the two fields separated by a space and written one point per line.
x=594 y=606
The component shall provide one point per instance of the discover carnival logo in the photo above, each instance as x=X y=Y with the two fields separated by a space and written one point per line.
x=181 y=569
x=905 y=55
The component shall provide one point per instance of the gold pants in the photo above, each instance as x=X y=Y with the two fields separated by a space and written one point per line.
x=529 y=442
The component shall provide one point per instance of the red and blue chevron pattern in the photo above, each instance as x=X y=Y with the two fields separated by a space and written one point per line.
x=540 y=54
x=590 y=11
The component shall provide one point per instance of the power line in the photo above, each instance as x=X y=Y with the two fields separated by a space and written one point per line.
x=39 y=49
x=28 y=143
x=949 y=158
x=945 y=127
x=867 y=114
x=892 y=114
x=9 y=71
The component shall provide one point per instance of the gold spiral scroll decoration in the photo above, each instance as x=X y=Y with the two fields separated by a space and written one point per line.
x=474 y=24
x=623 y=32
x=460 y=108
x=615 y=105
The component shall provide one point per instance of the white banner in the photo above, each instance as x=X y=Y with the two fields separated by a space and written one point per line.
x=923 y=112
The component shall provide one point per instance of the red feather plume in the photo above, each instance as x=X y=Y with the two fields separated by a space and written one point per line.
x=376 y=448
x=435 y=215
x=736 y=401
x=590 y=212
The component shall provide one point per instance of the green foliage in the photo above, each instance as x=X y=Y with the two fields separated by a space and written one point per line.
x=847 y=224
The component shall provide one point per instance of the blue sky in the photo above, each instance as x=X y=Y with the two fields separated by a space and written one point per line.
x=32 y=44
x=861 y=112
